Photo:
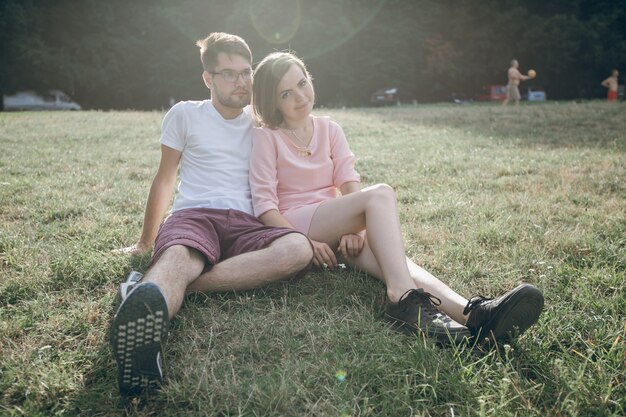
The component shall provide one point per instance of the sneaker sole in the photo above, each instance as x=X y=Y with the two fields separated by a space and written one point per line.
x=518 y=311
x=442 y=337
x=138 y=333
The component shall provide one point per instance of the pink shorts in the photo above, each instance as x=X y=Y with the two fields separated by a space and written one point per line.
x=217 y=234
x=300 y=218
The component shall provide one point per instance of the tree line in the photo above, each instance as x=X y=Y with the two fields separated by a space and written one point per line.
x=118 y=54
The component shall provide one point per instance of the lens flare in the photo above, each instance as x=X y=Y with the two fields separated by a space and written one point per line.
x=276 y=21
x=341 y=375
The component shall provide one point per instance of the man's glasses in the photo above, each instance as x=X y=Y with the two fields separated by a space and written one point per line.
x=231 y=76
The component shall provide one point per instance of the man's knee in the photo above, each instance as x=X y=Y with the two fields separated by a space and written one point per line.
x=302 y=249
x=180 y=253
x=296 y=249
x=177 y=261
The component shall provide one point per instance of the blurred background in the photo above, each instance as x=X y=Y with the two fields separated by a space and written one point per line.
x=141 y=54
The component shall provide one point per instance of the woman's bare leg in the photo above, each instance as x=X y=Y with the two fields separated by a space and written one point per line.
x=374 y=209
x=451 y=303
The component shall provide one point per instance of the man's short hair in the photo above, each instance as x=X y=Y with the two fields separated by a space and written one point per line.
x=216 y=42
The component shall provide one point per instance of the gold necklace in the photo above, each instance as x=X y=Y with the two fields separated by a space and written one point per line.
x=303 y=150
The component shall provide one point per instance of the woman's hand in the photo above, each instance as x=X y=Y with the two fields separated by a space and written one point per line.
x=323 y=255
x=351 y=245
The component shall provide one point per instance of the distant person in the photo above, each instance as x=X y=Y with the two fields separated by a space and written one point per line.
x=210 y=241
x=299 y=162
x=612 y=83
x=515 y=77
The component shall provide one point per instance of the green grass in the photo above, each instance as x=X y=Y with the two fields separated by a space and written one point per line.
x=489 y=197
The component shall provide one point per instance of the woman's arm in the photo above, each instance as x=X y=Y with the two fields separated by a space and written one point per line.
x=275 y=219
x=350 y=187
x=322 y=253
x=351 y=245
x=263 y=174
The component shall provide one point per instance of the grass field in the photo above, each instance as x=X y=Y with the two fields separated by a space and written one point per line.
x=489 y=197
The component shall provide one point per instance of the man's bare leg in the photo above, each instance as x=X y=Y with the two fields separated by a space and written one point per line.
x=179 y=269
x=283 y=258
x=140 y=325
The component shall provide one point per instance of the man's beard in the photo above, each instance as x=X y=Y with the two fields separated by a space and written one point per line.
x=233 y=101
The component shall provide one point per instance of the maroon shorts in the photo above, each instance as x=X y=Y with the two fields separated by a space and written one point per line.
x=217 y=234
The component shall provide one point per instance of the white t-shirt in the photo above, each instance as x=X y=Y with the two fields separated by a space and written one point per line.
x=215 y=156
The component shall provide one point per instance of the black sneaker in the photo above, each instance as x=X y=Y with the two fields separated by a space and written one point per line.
x=138 y=332
x=416 y=312
x=504 y=318
x=131 y=281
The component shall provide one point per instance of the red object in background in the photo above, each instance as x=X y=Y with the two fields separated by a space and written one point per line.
x=492 y=93
x=612 y=96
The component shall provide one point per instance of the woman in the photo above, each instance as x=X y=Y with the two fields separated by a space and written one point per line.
x=298 y=163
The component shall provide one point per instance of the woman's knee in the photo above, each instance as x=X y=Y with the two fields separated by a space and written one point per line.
x=382 y=192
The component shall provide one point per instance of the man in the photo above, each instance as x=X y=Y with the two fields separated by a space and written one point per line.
x=612 y=83
x=210 y=241
x=512 y=89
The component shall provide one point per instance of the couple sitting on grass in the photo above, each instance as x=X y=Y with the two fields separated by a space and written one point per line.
x=256 y=205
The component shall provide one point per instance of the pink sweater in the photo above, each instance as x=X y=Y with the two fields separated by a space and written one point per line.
x=293 y=184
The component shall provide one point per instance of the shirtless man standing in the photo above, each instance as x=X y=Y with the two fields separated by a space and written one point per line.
x=612 y=84
x=512 y=90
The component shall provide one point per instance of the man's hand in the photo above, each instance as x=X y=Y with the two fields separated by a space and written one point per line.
x=138 y=249
x=323 y=255
x=351 y=245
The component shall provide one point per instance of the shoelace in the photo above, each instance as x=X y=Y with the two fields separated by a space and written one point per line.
x=133 y=279
x=419 y=294
x=474 y=302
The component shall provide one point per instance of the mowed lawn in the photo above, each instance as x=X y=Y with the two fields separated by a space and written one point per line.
x=489 y=197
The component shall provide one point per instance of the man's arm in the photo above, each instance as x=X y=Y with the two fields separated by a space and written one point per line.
x=519 y=76
x=516 y=76
x=158 y=200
